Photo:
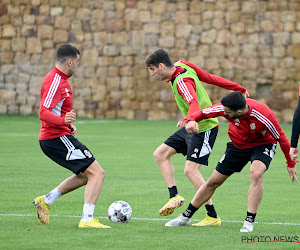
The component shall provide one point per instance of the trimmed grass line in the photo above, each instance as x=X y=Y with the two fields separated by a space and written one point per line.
x=149 y=219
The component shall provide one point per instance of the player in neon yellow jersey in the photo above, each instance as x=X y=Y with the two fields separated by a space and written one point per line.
x=185 y=80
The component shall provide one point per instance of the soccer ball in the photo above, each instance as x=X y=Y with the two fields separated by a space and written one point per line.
x=119 y=211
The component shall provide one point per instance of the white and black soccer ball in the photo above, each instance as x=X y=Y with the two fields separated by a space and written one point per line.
x=119 y=211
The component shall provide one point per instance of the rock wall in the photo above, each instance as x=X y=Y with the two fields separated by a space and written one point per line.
x=255 y=43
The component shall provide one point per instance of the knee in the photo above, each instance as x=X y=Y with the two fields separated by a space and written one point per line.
x=189 y=172
x=158 y=156
x=256 y=177
x=213 y=184
x=96 y=171
x=191 y=169
x=101 y=172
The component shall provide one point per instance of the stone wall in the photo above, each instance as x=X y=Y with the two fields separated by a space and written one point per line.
x=255 y=43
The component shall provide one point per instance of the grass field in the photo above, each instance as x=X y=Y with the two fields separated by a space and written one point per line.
x=124 y=149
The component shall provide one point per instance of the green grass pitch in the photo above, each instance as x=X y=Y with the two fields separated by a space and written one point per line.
x=124 y=149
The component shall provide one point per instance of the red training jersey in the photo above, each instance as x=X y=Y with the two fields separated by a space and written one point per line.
x=56 y=101
x=259 y=126
x=187 y=87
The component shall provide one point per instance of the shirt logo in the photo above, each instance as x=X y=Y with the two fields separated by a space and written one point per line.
x=252 y=126
x=237 y=122
x=67 y=91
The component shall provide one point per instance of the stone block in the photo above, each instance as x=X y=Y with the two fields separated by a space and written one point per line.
x=45 y=32
x=166 y=42
x=60 y=36
x=5 y=45
x=89 y=58
x=18 y=44
x=29 y=19
x=8 y=31
x=113 y=83
x=183 y=30
x=182 y=17
x=6 y=57
x=56 y=11
x=62 y=22
x=33 y=45
x=167 y=29
x=12 y=10
x=209 y=37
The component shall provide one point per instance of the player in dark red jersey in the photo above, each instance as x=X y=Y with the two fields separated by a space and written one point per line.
x=58 y=142
x=295 y=132
x=254 y=133
x=190 y=95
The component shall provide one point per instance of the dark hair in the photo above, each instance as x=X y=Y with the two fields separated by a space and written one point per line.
x=157 y=57
x=234 y=101
x=66 y=51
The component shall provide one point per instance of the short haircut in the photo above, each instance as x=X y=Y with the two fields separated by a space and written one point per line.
x=66 y=51
x=234 y=101
x=157 y=57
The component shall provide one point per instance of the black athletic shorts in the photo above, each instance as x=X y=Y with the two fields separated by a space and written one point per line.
x=197 y=147
x=68 y=152
x=235 y=159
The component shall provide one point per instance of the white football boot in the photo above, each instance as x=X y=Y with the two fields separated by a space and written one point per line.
x=179 y=221
x=247 y=227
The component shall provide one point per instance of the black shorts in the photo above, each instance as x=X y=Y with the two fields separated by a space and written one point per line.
x=235 y=159
x=68 y=152
x=197 y=147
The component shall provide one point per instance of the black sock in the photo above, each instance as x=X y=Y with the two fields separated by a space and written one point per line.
x=211 y=211
x=250 y=217
x=173 y=191
x=189 y=212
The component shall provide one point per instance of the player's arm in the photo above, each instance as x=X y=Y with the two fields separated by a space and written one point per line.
x=209 y=112
x=295 y=133
x=217 y=80
x=279 y=135
x=48 y=102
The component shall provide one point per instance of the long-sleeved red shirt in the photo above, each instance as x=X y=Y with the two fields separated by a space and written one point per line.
x=259 y=126
x=56 y=101
x=187 y=87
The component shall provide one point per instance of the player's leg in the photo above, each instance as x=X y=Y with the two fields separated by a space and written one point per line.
x=95 y=176
x=72 y=183
x=199 y=149
x=162 y=155
x=261 y=158
x=203 y=194
x=255 y=194
x=256 y=189
x=232 y=161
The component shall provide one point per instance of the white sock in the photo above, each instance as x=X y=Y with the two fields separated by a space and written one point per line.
x=88 y=212
x=52 y=196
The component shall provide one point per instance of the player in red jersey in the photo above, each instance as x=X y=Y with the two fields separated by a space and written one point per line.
x=295 y=132
x=58 y=142
x=254 y=133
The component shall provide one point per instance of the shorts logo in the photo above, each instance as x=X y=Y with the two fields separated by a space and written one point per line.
x=196 y=150
x=87 y=153
x=252 y=126
x=222 y=159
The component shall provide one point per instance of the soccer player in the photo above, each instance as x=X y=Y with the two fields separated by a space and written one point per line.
x=295 y=132
x=57 y=141
x=184 y=78
x=254 y=133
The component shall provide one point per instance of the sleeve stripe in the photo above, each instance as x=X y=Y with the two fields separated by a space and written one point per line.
x=52 y=91
x=213 y=109
x=267 y=122
x=184 y=90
